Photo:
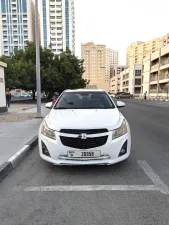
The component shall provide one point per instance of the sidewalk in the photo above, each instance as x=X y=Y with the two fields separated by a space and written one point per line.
x=17 y=128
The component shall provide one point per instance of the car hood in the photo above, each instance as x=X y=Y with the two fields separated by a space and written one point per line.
x=84 y=119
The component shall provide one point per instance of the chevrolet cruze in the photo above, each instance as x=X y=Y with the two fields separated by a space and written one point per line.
x=84 y=127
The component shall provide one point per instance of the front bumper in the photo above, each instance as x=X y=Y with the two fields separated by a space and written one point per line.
x=109 y=152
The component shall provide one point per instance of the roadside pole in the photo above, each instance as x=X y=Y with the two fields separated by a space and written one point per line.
x=38 y=78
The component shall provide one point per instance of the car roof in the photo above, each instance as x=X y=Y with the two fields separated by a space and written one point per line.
x=84 y=90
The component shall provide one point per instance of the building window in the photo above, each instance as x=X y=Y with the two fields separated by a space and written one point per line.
x=67 y=22
x=3 y=6
x=24 y=3
x=44 y=23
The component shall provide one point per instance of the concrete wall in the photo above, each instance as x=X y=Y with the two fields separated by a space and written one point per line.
x=165 y=50
x=3 y=107
x=131 y=80
x=146 y=74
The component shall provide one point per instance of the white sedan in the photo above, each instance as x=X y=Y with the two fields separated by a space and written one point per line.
x=84 y=127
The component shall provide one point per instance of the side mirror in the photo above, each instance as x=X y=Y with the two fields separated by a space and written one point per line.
x=120 y=104
x=49 y=105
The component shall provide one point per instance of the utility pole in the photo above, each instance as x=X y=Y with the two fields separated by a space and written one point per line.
x=38 y=78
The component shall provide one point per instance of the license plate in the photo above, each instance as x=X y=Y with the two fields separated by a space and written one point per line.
x=83 y=154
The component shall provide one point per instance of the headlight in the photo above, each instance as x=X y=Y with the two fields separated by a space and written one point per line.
x=46 y=131
x=122 y=130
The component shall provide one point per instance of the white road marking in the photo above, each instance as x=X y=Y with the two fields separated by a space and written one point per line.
x=162 y=187
x=61 y=188
x=158 y=185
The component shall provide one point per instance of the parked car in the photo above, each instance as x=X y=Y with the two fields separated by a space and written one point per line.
x=16 y=95
x=84 y=127
x=124 y=95
x=112 y=95
x=26 y=95
x=119 y=92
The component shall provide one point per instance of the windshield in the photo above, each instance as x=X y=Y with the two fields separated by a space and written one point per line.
x=84 y=100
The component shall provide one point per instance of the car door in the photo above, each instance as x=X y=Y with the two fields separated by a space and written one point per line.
x=126 y=95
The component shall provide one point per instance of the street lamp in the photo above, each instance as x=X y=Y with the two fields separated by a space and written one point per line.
x=38 y=78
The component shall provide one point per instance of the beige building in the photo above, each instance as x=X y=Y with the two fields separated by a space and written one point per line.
x=115 y=78
x=139 y=50
x=115 y=70
x=131 y=80
x=115 y=84
x=96 y=65
x=155 y=75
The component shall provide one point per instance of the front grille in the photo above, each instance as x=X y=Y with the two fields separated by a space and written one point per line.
x=83 y=143
x=89 y=131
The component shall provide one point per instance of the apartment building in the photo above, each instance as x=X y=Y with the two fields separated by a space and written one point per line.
x=131 y=79
x=115 y=70
x=16 y=24
x=58 y=25
x=134 y=53
x=115 y=78
x=155 y=75
x=115 y=84
x=96 y=64
x=139 y=50
x=114 y=57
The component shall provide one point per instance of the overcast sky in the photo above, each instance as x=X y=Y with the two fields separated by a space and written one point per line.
x=117 y=23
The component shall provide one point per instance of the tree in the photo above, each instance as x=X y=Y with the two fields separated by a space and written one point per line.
x=58 y=72
x=11 y=76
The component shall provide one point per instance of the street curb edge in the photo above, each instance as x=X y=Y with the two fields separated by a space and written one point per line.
x=13 y=161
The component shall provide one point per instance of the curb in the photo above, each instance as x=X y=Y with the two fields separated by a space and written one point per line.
x=12 y=162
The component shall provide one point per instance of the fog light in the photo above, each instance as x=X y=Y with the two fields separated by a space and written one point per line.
x=123 y=150
x=45 y=150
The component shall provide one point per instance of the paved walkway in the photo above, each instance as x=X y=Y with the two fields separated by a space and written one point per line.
x=16 y=132
x=20 y=107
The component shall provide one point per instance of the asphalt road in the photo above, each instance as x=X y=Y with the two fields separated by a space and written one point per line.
x=26 y=195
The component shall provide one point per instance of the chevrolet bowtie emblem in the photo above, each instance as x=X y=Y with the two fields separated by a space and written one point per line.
x=82 y=136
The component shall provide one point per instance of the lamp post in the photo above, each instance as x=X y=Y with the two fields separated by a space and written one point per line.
x=38 y=78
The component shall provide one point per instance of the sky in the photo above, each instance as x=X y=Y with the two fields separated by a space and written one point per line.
x=117 y=23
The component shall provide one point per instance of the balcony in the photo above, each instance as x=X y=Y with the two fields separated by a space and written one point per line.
x=155 y=67
x=164 y=76
x=164 y=64
x=59 y=14
x=59 y=42
x=153 y=78
x=59 y=25
x=153 y=91
x=125 y=85
x=161 y=91
x=125 y=77
x=59 y=20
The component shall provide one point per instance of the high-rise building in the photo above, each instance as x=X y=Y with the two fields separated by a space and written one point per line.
x=58 y=25
x=16 y=24
x=139 y=50
x=114 y=58
x=96 y=65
